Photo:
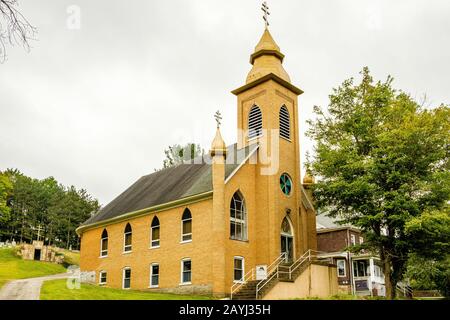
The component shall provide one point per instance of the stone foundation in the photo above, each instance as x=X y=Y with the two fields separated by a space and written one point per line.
x=202 y=290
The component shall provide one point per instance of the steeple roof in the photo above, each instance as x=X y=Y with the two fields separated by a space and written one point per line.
x=218 y=146
x=267 y=59
x=266 y=43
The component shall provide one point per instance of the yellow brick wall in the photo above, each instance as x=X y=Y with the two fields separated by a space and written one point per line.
x=168 y=256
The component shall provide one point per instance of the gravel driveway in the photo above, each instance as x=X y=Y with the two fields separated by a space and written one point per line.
x=27 y=289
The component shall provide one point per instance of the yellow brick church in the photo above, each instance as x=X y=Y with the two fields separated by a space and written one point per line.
x=235 y=222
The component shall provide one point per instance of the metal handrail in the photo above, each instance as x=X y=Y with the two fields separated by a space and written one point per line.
x=306 y=256
x=404 y=289
x=237 y=285
x=276 y=263
x=299 y=262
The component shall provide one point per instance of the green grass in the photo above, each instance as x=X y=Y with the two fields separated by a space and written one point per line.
x=70 y=257
x=57 y=290
x=13 y=267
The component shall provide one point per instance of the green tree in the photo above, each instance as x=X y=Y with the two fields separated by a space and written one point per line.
x=47 y=206
x=429 y=273
x=176 y=154
x=429 y=266
x=5 y=191
x=381 y=160
x=430 y=233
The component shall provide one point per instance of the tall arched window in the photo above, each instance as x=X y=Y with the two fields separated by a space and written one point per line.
x=254 y=122
x=127 y=235
x=186 y=226
x=155 y=233
x=104 y=244
x=285 y=125
x=287 y=239
x=238 y=217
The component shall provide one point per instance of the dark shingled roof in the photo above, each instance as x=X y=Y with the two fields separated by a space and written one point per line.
x=170 y=184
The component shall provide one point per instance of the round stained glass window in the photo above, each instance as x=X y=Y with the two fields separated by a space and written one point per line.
x=285 y=184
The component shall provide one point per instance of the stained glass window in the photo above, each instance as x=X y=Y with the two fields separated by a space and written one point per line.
x=285 y=184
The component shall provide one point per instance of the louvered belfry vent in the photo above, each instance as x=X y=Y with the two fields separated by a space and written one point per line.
x=254 y=122
x=285 y=130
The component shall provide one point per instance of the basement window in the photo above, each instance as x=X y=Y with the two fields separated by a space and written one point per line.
x=154 y=275
x=126 y=278
x=102 y=277
x=186 y=271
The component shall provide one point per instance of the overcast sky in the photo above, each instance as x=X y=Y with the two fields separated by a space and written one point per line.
x=96 y=106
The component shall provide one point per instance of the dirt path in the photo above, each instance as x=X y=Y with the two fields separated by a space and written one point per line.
x=27 y=289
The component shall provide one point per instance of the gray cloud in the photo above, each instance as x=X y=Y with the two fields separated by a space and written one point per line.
x=96 y=107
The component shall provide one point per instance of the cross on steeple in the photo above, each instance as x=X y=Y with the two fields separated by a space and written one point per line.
x=265 y=9
x=218 y=118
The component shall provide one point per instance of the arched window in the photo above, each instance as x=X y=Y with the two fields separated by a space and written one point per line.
x=285 y=125
x=238 y=217
x=104 y=244
x=155 y=233
x=186 y=226
x=287 y=240
x=127 y=238
x=286 y=227
x=254 y=122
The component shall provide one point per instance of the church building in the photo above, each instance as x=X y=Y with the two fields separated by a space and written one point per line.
x=221 y=222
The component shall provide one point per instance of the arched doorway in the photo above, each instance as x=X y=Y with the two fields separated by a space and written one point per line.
x=287 y=239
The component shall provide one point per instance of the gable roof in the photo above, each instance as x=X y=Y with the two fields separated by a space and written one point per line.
x=184 y=180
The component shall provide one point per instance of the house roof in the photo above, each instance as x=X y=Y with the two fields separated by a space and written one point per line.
x=325 y=223
x=171 y=184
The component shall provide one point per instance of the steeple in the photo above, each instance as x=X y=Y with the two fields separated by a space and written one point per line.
x=218 y=146
x=267 y=59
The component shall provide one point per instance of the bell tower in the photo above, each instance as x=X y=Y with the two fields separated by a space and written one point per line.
x=267 y=112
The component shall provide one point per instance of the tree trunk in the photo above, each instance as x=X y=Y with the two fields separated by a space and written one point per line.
x=389 y=283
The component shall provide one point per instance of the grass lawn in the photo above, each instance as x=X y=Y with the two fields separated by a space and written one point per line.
x=13 y=267
x=57 y=290
x=71 y=258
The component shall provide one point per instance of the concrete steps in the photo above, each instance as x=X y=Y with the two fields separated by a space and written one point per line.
x=248 y=290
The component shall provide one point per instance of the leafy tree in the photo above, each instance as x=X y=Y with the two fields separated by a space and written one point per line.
x=429 y=274
x=381 y=160
x=176 y=154
x=429 y=266
x=430 y=234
